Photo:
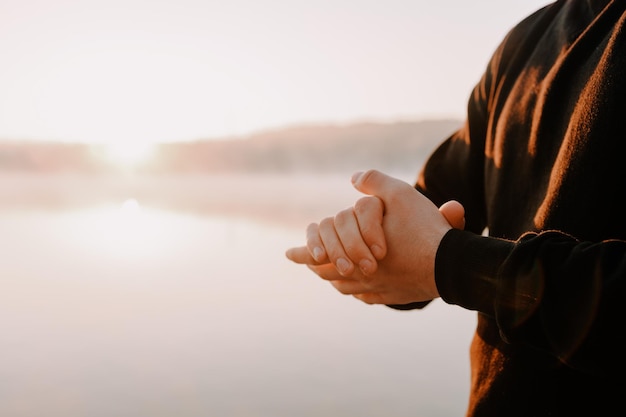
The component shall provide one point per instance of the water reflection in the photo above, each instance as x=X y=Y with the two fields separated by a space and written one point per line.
x=127 y=310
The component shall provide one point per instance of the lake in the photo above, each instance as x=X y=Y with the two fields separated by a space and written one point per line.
x=125 y=307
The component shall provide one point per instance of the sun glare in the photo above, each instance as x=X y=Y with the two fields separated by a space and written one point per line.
x=130 y=207
x=124 y=231
x=129 y=154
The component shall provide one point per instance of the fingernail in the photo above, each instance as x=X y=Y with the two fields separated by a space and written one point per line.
x=366 y=266
x=318 y=253
x=356 y=176
x=343 y=266
x=377 y=251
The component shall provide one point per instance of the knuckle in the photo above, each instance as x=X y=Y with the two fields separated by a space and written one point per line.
x=369 y=209
x=312 y=228
x=364 y=204
x=342 y=217
x=326 y=222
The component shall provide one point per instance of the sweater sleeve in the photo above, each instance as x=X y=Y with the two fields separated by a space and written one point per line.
x=547 y=290
x=456 y=168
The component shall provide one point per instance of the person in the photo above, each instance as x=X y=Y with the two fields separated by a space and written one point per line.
x=533 y=234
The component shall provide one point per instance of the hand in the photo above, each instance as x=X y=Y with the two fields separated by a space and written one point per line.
x=354 y=237
x=410 y=220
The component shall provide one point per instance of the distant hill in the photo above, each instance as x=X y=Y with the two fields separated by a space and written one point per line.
x=396 y=146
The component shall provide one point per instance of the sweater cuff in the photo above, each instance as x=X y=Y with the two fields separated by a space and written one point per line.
x=466 y=269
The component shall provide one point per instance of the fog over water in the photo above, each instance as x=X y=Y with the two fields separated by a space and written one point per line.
x=129 y=308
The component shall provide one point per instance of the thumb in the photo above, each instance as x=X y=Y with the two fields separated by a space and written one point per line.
x=378 y=184
x=454 y=212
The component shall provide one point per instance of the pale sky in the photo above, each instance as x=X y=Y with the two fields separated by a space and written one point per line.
x=165 y=70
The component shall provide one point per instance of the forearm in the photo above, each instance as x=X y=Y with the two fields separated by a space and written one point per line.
x=546 y=290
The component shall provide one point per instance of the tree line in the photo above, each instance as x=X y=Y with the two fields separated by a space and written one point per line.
x=307 y=148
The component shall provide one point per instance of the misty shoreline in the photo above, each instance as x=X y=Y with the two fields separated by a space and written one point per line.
x=281 y=199
x=299 y=149
x=287 y=177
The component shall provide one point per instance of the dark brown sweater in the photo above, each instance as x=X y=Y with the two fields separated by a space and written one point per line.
x=540 y=164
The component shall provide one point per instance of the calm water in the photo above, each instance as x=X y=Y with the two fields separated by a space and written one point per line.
x=129 y=311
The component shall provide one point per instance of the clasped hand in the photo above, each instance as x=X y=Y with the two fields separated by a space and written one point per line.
x=382 y=250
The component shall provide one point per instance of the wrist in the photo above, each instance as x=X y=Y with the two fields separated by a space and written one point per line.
x=434 y=249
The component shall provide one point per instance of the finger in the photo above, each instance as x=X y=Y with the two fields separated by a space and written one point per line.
x=376 y=183
x=334 y=248
x=347 y=228
x=454 y=212
x=328 y=272
x=314 y=243
x=300 y=255
x=369 y=213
